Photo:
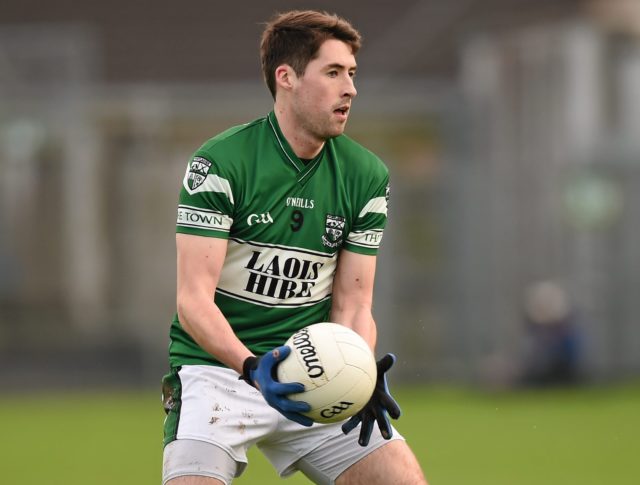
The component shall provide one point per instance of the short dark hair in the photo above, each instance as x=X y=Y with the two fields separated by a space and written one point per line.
x=295 y=37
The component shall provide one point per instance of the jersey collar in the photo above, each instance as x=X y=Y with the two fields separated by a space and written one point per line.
x=289 y=155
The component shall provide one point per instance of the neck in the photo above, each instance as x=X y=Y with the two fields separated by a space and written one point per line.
x=303 y=144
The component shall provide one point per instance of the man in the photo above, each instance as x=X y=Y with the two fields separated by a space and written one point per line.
x=279 y=222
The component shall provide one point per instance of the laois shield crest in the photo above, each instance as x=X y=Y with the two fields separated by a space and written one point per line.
x=198 y=170
x=334 y=229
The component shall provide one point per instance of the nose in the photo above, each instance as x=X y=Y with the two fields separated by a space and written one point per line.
x=350 y=88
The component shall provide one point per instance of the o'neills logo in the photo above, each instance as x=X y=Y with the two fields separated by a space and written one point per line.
x=302 y=344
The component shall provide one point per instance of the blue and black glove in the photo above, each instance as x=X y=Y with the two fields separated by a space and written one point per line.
x=380 y=404
x=260 y=372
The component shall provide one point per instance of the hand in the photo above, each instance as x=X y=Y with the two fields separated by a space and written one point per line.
x=260 y=373
x=377 y=408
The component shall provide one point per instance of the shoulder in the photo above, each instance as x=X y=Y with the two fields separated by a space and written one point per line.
x=233 y=142
x=219 y=164
x=353 y=155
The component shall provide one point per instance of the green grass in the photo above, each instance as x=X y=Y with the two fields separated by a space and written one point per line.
x=564 y=437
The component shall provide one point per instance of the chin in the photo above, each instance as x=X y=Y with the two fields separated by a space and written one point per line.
x=333 y=135
x=330 y=130
x=336 y=132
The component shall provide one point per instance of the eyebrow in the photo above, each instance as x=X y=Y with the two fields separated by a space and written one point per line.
x=337 y=65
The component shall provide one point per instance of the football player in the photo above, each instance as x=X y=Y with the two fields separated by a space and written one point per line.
x=279 y=223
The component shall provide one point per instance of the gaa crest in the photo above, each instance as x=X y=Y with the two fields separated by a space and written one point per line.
x=333 y=230
x=197 y=173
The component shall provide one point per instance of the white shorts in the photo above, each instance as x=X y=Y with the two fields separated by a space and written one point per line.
x=213 y=418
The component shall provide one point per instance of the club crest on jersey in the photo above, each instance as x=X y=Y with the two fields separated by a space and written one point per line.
x=198 y=170
x=334 y=227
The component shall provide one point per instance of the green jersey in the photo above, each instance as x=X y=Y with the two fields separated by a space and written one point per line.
x=285 y=220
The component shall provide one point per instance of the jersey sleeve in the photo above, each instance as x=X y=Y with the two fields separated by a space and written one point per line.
x=206 y=202
x=366 y=234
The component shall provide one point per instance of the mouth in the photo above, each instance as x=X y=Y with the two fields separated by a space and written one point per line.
x=342 y=111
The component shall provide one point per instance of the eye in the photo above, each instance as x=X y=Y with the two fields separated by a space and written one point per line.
x=332 y=73
x=352 y=74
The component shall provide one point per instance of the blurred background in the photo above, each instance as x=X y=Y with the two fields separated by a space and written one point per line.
x=510 y=128
x=509 y=277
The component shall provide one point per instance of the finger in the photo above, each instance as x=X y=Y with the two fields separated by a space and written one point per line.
x=383 y=425
x=270 y=359
x=386 y=363
x=391 y=405
x=353 y=422
x=285 y=388
x=298 y=418
x=280 y=353
x=365 y=431
x=288 y=405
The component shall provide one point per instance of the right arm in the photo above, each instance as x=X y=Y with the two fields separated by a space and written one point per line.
x=200 y=261
x=199 y=265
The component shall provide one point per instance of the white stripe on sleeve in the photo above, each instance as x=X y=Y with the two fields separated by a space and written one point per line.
x=377 y=204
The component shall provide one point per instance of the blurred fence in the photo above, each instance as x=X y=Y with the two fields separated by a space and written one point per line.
x=526 y=171
x=552 y=184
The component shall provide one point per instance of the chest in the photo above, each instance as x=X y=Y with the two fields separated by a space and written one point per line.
x=277 y=208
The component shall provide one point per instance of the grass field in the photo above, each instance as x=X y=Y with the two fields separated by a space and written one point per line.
x=563 y=437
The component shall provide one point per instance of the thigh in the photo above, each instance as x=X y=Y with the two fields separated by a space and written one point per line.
x=194 y=481
x=210 y=407
x=325 y=452
x=191 y=462
x=392 y=463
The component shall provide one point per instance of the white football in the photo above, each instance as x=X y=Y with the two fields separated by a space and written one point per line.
x=336 y=366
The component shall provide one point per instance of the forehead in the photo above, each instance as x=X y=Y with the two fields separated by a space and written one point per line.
x=333 y=51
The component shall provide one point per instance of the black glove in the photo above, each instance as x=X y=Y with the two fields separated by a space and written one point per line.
x=377 y=408
x=260 y=373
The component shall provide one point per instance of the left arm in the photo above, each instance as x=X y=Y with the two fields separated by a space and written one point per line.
x=353 y=294
x=352 y=307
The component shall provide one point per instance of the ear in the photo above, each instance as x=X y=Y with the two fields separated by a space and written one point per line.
x=285 y=77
